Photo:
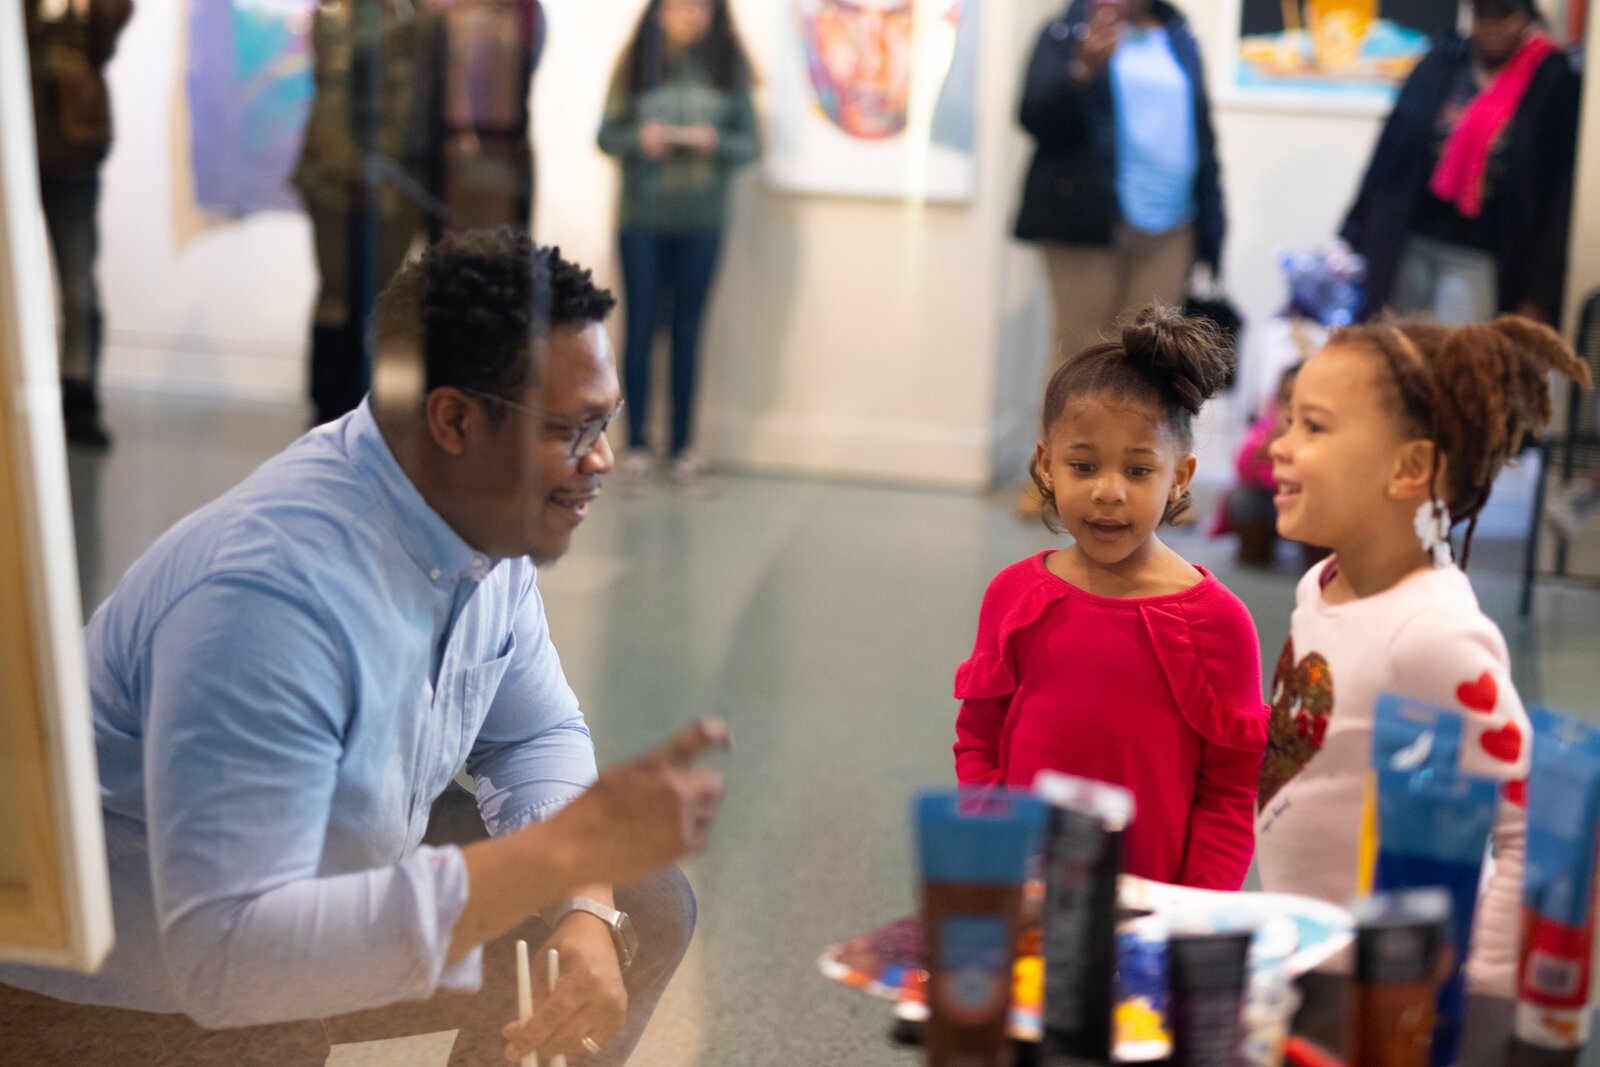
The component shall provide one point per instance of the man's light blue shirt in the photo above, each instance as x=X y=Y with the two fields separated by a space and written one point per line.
x=1158 y=152
x=282 y=685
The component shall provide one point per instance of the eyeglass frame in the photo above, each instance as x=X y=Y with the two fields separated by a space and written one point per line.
x=579 y=429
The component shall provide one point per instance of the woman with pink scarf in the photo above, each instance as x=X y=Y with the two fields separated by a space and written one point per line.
x=1464 y=209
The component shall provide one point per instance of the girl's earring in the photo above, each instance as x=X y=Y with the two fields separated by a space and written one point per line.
x=1433 y=531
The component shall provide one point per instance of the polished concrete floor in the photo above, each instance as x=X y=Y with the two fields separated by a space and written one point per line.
x=824 y=622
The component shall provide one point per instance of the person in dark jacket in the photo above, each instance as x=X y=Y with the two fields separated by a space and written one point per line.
x=68 y=53
x=1464 y=209
x=1124 y=192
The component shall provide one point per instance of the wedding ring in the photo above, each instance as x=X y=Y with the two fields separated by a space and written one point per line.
x=589 y=1046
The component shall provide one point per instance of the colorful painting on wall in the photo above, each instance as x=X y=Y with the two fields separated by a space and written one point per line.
x=1334 y=55
x=249 y=90
x=876 y=98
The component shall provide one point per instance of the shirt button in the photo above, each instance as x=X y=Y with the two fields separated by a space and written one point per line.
x=477 y=564
x=434 y=574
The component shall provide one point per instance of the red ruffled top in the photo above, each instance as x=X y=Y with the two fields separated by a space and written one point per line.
x=1159 y=694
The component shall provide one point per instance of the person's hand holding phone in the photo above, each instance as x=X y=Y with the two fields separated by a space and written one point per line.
x=1104 y=33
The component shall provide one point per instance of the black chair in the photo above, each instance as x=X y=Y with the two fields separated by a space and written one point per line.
x=1573 y=452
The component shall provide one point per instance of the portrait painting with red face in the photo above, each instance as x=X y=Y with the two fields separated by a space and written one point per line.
x=876 y=98
x=858 y=54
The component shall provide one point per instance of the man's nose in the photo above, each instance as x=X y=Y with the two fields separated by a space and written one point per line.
x=602 y=459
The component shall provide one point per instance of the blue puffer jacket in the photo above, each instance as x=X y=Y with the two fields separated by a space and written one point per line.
x=1070 y=195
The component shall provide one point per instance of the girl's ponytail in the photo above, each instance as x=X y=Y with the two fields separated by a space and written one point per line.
x=1186 y=359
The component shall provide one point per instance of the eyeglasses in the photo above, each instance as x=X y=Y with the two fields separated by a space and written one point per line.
x=585 y=435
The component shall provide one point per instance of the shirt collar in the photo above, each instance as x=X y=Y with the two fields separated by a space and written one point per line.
x=437 y=550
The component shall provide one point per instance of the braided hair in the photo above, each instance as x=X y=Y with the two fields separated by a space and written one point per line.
x=1475 y=391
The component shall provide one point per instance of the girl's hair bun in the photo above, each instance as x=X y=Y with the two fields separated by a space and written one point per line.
x=1187 y=358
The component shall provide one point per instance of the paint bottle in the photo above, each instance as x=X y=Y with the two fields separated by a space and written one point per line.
x=1207 y=974
x=1433 y=830
x=974 y=847
x=1083 y=857
x=1563 y=797
x=1400 y=941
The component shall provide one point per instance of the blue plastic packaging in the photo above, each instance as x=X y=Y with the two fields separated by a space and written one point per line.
x=1433 y=830
x=1563 y=796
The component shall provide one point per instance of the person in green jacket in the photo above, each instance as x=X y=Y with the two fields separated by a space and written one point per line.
x=680 y=120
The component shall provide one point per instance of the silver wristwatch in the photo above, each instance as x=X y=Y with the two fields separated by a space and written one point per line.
x=623 y=938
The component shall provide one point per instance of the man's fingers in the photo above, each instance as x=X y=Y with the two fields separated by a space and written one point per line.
x=549 y=1017
x=687 y=744
x=567 y=1039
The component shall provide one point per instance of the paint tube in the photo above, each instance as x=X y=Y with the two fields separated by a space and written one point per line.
x=1433 y=830
x=974 y=847
x=1399 y=938
x=1559 y=883
x=1083 y=857
x=1207 y=974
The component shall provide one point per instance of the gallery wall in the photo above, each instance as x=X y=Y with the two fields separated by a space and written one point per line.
x=855 y=337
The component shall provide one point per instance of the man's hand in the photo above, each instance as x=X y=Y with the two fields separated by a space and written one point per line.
x=653 y=140
x=589 y=1001
x=638 y=818
x=642 y=815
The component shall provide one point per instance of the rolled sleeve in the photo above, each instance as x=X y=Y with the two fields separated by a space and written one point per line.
x=533 y=753
x=246 y=690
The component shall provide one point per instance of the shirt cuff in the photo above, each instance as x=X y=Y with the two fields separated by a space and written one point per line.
x=450 y=900
x=467 y=974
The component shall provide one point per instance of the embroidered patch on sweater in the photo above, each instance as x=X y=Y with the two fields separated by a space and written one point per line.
x=1302 y=701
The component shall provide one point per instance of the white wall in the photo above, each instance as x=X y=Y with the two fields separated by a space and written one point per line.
x=849 y=337
x=191 y=305
x=1583 y=269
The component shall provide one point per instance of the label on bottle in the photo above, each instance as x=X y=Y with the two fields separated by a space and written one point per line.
x=973 y=982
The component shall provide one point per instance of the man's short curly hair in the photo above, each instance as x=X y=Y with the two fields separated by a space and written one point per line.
x=477 y=300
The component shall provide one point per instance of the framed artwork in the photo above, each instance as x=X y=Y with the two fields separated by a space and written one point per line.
x=1327 y=55
x=876 y=98
x=55 y=897
x=249 y=92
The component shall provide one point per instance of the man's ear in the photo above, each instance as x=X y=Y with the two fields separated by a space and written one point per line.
x=1415 y=472
x=449 y=414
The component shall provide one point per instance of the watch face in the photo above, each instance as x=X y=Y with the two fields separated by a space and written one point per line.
x=627 y=940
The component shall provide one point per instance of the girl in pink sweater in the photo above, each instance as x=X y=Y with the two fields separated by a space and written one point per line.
x=1114 y=658
x=1396 y=434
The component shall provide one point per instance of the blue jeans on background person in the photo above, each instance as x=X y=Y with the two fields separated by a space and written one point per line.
x=71 y=203
x=671 y=272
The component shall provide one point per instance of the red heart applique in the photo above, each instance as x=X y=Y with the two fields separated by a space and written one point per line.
x=1517 y=793
x=1480 y=695
x=1504 y=743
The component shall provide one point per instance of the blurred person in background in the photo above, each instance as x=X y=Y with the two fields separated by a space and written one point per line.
x=1123 y=194
x=452 y=145
x=337 y=188
x=1464 y=209
x=69 y=44
x=680 y=120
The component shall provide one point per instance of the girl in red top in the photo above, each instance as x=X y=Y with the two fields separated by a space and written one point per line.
x=1114 y=658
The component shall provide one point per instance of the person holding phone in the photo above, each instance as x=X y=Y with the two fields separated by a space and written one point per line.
x=1123 y=194
x=679 y=120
